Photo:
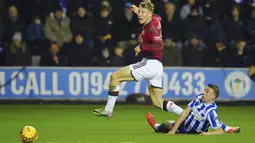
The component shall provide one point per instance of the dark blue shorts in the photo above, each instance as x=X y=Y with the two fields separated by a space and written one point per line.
x=181 y=130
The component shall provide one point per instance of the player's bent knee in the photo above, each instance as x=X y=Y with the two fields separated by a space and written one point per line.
x=113 y=77
x=168 y=123
x=156 y=104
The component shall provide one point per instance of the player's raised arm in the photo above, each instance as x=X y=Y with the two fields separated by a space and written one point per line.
x=135 y=9
x=215 y=124
x=178 y=122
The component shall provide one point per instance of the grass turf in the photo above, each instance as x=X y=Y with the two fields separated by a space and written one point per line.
x=76 y=124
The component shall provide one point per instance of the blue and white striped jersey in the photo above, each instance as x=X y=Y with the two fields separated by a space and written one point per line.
x=201 y=116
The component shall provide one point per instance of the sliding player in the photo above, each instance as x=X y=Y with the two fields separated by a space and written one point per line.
x=150 y=68
x=197 y=117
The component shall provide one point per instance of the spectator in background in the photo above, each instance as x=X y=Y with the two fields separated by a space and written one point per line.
x=35 y=35
x=106 y=3
x=57 y=28
x=16 y=3
x=17 y=54
x=246 y=8
x=234 y=27
x=2 y=56
x=253 y=55
x=3 y=9
x=242 y=56
x=172 y=56
x=193 y=52
x=13 y=23
x=207 y=10
x=104 y=24
x=118 y=60
x=63 y=5
x=215 y=30
x=82 y=22
x=1 y=29
x=2 y=51
x=31 y=8
x=195 y=24
x=72 y=6
x=219 y=56
x=129 y=52
x=78 y=54
x=211 y=7
x=104 y=59
x=117 y=7
x=251 y=27
x=186 y=10
x=126 y=25
x=53 y=57
x=3 y=13
x=171 y=25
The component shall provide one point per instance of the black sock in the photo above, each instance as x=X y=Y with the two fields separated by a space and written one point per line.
x=162 y=128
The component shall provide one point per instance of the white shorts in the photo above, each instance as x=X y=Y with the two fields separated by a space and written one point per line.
x=149 y=69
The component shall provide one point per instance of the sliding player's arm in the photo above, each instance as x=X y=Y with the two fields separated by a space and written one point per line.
x=217 y=131
x=215 y=124
x=178 y=122
x=184 y=115
x=225 y=127
x=230 y=129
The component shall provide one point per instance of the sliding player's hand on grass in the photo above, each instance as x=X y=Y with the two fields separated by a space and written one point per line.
x=234 y=130
x=137 y=50
x=204 y=133
x=179 y=121
x=171 y=132
x=217 y=131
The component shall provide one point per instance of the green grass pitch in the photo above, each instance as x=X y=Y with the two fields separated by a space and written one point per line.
x=76 y=124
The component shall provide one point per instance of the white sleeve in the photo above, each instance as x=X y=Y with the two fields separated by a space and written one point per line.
x=212 y=117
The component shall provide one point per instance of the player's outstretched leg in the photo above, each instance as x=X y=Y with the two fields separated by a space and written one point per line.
x=170 y=106
x=151 y=121
x=123 y=74
x=158 y=128
x=157 y=101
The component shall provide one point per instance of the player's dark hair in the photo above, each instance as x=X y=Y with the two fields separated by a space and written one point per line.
x=215 y=89
x=147 y=4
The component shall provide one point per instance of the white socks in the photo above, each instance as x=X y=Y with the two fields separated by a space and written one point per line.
x=111 y=100
x=156 y=126
x=227 y=128
x=110 y=103
x=172 y=107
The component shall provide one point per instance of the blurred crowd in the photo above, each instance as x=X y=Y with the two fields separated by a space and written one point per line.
x=196 y=33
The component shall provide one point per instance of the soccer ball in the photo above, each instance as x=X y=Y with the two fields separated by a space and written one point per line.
x=28 y=134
